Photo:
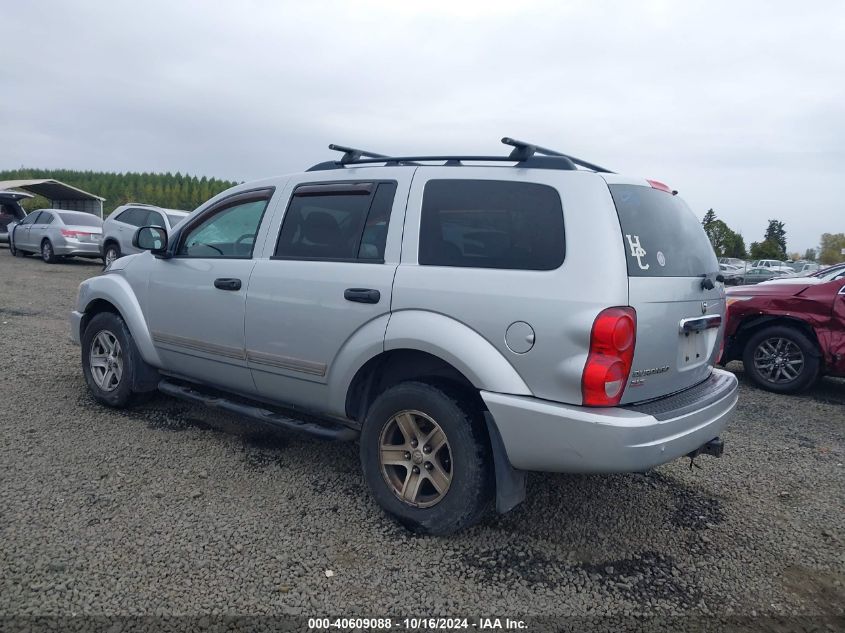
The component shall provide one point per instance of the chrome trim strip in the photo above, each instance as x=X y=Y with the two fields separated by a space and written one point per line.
x=699 y=324
x=199 y=346
x=286 y=362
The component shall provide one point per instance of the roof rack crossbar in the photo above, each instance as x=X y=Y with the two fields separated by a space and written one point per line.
x=352 y=154
x=523 y=151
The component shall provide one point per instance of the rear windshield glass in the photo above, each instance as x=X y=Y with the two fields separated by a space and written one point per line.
x=661 y=235
x=80 y=219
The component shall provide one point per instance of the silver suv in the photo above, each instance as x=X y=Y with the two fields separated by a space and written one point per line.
x=451 y=316
x=119 y=228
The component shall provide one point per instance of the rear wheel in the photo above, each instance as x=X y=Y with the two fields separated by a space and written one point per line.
x=47 y=252
x=426 y=459
x=781 y=359
x=111 y=254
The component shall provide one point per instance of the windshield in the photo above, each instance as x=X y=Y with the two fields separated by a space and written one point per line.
x=662 y=237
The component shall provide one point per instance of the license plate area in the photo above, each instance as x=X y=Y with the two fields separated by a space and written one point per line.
x=693 y=349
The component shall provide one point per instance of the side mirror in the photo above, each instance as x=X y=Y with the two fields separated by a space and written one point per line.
x=151 y=238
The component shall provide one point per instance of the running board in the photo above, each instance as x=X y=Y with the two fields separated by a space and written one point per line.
x=329 y=431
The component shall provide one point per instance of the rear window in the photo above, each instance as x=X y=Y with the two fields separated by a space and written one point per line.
x=661 y=235
x=80 y=219
x=491 y=224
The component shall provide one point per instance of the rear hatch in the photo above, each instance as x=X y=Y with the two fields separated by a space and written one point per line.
x=670 y=262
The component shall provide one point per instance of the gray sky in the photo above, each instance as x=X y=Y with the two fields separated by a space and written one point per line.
x=739 y=105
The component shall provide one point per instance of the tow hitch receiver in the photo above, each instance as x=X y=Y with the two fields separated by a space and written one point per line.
x=714 y=447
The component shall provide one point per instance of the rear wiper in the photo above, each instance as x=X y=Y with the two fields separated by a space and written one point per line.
x=707 y=283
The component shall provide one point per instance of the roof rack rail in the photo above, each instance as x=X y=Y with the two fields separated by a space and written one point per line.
x=525 y=154
x=523 y=151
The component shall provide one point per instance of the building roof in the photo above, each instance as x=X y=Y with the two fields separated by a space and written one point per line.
x=50 y=189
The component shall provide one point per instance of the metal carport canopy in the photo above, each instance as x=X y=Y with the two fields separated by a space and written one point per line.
x=60 y=195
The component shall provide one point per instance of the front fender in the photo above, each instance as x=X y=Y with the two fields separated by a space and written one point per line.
x=460 y=346
x=115 y=289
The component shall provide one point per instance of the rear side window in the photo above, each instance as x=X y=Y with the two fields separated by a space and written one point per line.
x=491 y=224
x=46 y=218
x=662 y=237
x=154 y=219
x=337 y=221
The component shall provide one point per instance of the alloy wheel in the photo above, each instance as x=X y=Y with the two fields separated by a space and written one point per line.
x=46 y=251
x=106 y=361
x=415 y=458
x=778 y=360
x=111 y=256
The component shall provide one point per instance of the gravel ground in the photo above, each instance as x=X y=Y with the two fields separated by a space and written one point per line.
x=170 y=509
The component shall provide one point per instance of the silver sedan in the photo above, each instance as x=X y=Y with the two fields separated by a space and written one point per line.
x=55 y=233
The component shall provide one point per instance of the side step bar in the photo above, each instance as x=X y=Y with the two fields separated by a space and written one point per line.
x=329 y=431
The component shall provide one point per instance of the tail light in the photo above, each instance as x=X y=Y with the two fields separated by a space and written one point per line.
x=70 y=233
x=608 y=366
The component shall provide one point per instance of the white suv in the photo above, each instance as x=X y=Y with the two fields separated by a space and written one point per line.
x=122 y=223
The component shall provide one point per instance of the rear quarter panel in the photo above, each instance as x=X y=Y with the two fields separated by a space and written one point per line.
x=560 y=305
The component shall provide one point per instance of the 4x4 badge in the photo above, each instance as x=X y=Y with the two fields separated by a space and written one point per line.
x=637 y=250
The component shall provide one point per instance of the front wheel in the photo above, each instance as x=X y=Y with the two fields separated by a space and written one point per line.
x=110 y=359
x=781 y=359
x=426 y=458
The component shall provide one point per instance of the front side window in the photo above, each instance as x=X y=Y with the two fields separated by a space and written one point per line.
x=228 y=232
x=491 y=224
x=346 y=221
x=30 y=219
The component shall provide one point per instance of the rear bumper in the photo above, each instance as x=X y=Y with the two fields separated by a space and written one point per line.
x=77 y=249
x=547 y=436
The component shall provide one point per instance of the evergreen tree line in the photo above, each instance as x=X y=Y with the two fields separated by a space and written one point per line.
x=172 y=191
x=728 y=243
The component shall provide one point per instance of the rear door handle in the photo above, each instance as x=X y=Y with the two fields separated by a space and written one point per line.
x=227 y=283
x=362 y=295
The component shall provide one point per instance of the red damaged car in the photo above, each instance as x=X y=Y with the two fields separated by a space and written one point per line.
x=787 y=334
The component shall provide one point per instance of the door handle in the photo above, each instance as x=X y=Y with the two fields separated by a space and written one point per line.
x=362 y=295
x=227 y=283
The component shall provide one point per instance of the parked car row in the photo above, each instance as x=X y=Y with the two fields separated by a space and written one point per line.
x=55 y=233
